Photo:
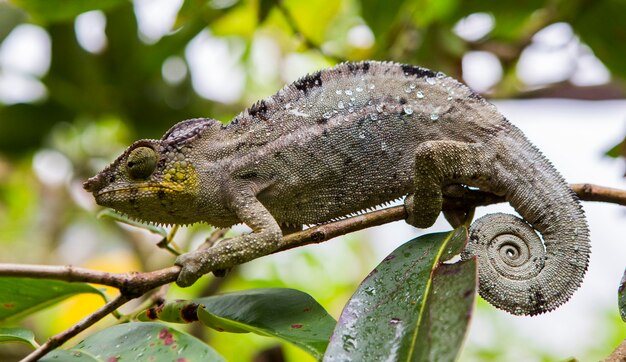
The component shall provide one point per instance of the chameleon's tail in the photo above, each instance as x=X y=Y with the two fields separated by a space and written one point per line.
x=518 y=272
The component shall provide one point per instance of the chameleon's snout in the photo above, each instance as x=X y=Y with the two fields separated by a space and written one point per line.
x=93 y=184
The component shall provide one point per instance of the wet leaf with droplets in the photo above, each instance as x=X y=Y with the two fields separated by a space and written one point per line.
x=137 y=342
x=412 y=307
x=288 y=314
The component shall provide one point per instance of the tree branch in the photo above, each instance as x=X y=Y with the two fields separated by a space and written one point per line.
x=134 y=284
x=589 y=192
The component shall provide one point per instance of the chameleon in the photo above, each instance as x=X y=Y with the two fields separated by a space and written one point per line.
x=349 y=138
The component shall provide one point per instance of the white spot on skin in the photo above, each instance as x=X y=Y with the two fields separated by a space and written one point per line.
x=298 y=113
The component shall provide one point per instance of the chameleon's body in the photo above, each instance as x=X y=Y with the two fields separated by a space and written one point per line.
x=350 y=138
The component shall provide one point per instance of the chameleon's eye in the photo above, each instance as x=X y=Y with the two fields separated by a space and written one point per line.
x=141 y=162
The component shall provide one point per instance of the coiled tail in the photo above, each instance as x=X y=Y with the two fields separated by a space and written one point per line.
x=534 y=265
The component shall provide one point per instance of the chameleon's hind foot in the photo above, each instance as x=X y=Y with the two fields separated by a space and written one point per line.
x=422 y=212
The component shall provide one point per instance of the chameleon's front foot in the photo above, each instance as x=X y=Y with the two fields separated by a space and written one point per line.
x=193 y=265
x=226 y=254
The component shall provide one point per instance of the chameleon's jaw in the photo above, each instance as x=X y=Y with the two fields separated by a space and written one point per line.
x=162 y=204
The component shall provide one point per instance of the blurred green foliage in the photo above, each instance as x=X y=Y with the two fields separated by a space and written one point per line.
x=96 y=103
x=125 y=79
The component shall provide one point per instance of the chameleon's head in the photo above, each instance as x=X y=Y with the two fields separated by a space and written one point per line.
x=153 y=180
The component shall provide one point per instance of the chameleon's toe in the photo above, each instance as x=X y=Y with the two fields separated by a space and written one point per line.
x=458 y=217
x=424 y=214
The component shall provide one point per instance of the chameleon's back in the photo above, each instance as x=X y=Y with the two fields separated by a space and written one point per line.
x=344 y=139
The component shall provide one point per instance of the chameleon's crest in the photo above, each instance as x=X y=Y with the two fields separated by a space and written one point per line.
x=186 y=131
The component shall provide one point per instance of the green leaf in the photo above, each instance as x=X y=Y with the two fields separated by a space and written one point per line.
x=241 y=20
x=138 y=342
x=285 y=313
x=73 y=356
x=447 y=312
x=23 y=296
x=617 y=150
x=18 y=335
x=63 y=10
x=412 y=307
x=621 y=297
x=313 y=27
x=288 y=314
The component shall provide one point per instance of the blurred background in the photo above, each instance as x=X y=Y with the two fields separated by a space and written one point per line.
x=80 y=81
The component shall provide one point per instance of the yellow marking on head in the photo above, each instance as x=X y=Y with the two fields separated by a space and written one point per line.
x=183 y=175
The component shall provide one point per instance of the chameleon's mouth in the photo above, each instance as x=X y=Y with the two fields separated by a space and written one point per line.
x=119 y=197
x=136 y=190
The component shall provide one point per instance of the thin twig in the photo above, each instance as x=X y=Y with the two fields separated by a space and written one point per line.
x=215 y=236
x=589 y=192
x=67 y=273
x=59 y=339
x=150 y=299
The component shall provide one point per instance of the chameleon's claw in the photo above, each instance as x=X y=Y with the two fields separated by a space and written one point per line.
x=457 y=217
x=409 y=204
x=220 y=273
